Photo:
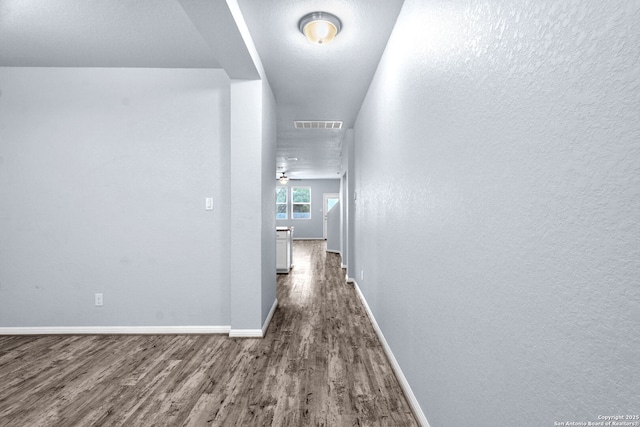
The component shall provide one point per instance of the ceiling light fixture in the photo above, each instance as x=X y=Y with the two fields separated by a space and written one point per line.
x=284 y=179
x=320 y=27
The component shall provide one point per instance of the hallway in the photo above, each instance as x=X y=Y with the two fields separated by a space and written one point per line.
x=333 y=358
x=320 y=364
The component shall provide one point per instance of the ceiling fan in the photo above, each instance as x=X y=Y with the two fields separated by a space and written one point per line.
x=284 y=178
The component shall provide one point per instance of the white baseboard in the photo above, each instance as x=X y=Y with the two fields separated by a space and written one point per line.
x=267 y=321
x=141 y=330
x=406 y=388
x=245 y=333
x=255 y=333
x=114 y=330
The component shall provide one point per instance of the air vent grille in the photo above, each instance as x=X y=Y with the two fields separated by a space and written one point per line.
x=317 y=124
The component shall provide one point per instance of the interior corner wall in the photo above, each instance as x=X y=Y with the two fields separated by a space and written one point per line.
x=348 y=205
x=344 y=229
x=103 y=178
x=268 y=200
x=253 y=265
x=246 y=204
x=497 y=162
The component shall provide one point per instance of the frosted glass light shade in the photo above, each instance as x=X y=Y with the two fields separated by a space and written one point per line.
x=320 y=27
x=320 y=32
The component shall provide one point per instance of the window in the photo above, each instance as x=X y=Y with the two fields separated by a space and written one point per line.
x=281 y=202
x=301 y=202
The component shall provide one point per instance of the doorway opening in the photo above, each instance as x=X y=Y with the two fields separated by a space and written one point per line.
x=328 y=201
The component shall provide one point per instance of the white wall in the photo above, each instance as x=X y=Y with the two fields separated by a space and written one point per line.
x=103 y=176
x=502 y=259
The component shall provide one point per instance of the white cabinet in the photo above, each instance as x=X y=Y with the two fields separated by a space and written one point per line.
x=282 y=255
x=284 y=249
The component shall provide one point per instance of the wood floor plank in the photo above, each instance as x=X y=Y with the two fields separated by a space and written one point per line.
x=320 y=364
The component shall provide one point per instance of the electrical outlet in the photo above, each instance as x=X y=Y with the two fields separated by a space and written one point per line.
x=99 y=301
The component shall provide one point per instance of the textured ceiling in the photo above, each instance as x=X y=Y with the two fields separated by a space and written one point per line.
x=312 y=82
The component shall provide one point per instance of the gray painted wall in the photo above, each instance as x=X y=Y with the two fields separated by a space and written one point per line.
x=347 y=195
x=103 y=176
x=268 y=210
x=253 y=264
x=253 y=158
x=310 y=228
x=502 y=260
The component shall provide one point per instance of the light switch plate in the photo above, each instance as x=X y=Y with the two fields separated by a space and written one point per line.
x=208 y=204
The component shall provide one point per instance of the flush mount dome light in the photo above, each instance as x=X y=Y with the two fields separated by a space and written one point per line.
x=320 y=27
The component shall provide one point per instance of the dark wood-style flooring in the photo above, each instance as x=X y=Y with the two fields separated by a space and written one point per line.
x=320 y=364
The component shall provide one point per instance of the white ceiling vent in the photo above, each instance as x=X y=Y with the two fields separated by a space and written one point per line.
x=317 y=124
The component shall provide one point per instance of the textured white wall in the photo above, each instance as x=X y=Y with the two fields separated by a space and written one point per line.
x=498 y=212
x=103 y=176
